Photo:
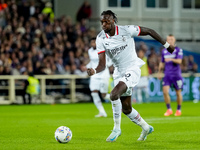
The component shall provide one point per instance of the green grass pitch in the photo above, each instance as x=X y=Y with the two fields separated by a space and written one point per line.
x=32 y=127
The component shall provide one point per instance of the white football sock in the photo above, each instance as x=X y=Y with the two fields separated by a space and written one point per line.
x=117 y=109
x=137 y=119
x=97 y=102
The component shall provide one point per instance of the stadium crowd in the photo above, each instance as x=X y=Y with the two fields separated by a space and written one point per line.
x=32 y=40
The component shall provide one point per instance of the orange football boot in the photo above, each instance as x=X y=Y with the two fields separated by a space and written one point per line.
x=168 y=112
x=178 y=113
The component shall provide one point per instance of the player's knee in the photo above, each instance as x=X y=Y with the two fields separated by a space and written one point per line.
x=126 y=110
x=114 y=96
x=165 y=92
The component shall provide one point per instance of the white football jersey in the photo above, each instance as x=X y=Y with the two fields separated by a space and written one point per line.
x=120 y=48
x=94 y=61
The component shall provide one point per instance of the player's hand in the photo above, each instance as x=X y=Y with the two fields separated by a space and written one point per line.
x=170 y=49
x=168 y=59
x=159 y=76
x=90 y=71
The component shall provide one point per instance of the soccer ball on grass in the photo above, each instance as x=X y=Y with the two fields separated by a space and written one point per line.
x=63 y=134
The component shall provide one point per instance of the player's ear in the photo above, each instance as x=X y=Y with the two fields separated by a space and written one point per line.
x=174 y=40
x=113 y=20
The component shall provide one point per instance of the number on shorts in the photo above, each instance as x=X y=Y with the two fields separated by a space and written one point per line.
x=127 y=75
x=179 y=83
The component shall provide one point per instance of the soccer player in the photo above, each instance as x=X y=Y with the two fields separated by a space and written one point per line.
x=171 y=65
x=117 y=43
x=98 y=82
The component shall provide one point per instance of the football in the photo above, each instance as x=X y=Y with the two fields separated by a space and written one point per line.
x=63 y=134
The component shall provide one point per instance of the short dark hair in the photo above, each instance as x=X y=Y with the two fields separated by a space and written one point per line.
x=93 y=38
x=170 y=35
x=109 y=12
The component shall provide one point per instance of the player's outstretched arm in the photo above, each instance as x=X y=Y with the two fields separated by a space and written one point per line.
x=101 y=66
x=147 y=31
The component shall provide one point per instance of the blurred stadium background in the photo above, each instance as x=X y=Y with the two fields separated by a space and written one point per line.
x=51 y=37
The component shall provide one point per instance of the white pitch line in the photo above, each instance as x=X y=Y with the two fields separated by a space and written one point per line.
x=172 y=118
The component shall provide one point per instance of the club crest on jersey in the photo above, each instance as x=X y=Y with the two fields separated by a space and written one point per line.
x=107 y=44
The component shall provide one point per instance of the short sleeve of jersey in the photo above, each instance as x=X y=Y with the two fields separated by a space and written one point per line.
x=133 y=30
x=99 y=45
x=179 y=53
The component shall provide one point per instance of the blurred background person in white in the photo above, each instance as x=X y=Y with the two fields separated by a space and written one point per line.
x=142 y=87
x=98 y=82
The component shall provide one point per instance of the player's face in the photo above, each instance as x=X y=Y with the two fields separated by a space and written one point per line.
x=93 y=44
x=171 y=40
x=141 y=54
x=107 y=23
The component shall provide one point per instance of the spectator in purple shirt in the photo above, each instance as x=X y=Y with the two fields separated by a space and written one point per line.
x=172 y=75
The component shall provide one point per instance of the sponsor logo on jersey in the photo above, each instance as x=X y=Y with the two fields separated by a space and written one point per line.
x=117 y=50
x=170 y=56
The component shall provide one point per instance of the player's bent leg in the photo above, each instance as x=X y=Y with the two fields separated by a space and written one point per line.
x=135 y=117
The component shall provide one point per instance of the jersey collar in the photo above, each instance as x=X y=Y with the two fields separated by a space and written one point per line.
x=116 y=32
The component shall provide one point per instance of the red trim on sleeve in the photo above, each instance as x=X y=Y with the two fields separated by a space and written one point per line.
x=117 y=30
x=101 y=52
x=139 y=30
